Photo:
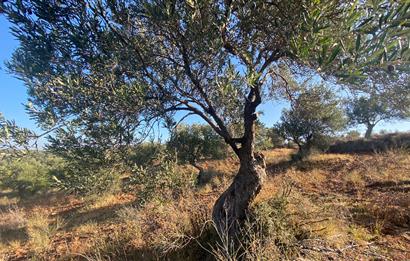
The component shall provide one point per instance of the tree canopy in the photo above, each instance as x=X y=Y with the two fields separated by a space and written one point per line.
x=124 y=64
x=315 y=115
x=372 y=108
x=195 y=143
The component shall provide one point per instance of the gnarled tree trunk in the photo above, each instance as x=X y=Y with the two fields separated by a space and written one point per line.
x=230 y=209
x=232 y=206
x=199 y=178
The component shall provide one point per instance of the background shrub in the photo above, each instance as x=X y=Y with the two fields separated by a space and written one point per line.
x=77 y=179
x=196 y=142
x=161 y=180
x=30 y=174
x=145 y=153
x=378 y=143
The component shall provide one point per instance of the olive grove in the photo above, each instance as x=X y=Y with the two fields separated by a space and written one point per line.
x=103 y=72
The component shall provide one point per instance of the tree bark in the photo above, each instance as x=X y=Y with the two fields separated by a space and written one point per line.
x=369 y=131
x=199 y=178
x=231 y=208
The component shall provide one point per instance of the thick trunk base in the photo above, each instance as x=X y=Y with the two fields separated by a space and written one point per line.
x=231 y=208
x=200 y=177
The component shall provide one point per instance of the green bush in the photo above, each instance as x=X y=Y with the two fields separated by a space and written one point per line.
x=275 y=138
x=30 y=174
x=196 y=142
x=41 y=171
x=263 y=139
x=160 y=180
x=78 y=179
x=145 y=153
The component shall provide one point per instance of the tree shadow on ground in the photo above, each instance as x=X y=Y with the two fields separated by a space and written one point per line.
x=124 y=251
x=7 y=199
x=388 y=220
x=78 y=216
x=393 y=186
x=301 y=165
x=29 y=201
x=10 y=234
x=308 y=164
x=9 y=194
x=279 y=167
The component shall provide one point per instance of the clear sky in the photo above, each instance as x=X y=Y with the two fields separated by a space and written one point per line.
x=13 y=93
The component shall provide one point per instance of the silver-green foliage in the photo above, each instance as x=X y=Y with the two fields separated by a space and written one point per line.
x=123 y=64
x=161 y=180
x=14 y=140
x=30 y=174
x=78 y=179
x=196 y=142
x=314 y=116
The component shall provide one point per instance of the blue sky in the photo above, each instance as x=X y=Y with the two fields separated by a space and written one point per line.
x=13 y=93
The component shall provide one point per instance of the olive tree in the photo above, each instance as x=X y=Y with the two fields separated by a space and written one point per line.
x=368 y=111
x=381 y=97
x=275 y=137
x=314 y=116
x=196 y=142
x=127 y=64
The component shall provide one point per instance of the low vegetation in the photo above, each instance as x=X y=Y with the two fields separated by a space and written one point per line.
x=30 y=174
x=378 y=143
x=330 y=206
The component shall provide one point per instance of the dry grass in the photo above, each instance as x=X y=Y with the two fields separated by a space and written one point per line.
x=41 y=230
x=9 y=199
x=108 y=200
x=349 y=207
x=13 y=217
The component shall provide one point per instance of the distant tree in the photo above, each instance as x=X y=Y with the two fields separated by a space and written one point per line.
x=380 y=96
x=129 y=64
x=315 y=115
x=262 y=138
x=275 y=137
x=193 y=143
x=370 y=110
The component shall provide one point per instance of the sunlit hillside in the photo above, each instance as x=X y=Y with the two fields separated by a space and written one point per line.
x=329 y=207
